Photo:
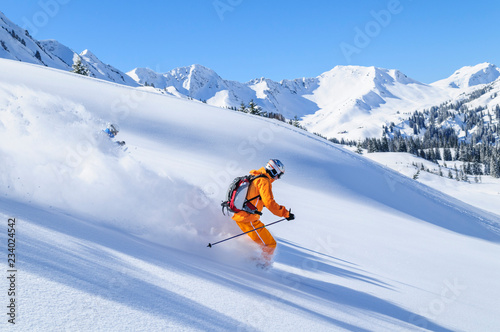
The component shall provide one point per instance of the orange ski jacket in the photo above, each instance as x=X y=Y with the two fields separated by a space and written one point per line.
x=261 y=187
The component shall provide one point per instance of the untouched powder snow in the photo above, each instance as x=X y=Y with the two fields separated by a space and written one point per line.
x=116 y=240
x=480 y=191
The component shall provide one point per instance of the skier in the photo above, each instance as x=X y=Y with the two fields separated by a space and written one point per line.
x=112 y=130
x=261 y=193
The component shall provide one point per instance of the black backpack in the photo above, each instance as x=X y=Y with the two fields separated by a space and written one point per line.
x=236 y=198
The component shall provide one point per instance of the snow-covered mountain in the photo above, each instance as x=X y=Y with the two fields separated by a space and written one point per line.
x=96 y=67
x=354 y=102
x=116 y=240
x=17 y=44
x=196 y=81
x=63 y=52
x=333 y=99
x=201 y=83
x=351 y=102
x=470 y=76
x=103 y=71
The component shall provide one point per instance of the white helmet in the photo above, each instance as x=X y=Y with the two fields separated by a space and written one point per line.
x=275 y=168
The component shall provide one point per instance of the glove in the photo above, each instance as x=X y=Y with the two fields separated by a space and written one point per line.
x=291 y=216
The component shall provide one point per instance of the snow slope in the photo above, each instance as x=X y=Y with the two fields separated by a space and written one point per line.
x=483 y=194
x=116 y=240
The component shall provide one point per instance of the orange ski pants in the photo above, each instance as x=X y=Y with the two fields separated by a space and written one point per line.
x=260 y=236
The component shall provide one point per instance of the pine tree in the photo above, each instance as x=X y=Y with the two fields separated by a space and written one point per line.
x=243 y=108
x=295 y=122
x=253 y=108
x=372 y=146
x=422 y=154
x=384 y=147
x=447 y=154
x=432 y=155
x=437 y=154
x=402 y=146
x=79 y=68
x=463 y=174
x=359 y=150
x=457 y=154
x=476 y=168
x=494 y=167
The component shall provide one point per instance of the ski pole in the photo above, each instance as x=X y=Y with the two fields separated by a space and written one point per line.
x=253 y=230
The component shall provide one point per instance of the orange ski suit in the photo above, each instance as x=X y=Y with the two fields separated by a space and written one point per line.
x=261 y=187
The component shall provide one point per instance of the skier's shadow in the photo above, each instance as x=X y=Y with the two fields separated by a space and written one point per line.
x=310 y=260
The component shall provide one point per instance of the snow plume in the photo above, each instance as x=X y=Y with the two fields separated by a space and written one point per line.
x=60 y=158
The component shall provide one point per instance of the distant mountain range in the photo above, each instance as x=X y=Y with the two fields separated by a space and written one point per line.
x=350 y=102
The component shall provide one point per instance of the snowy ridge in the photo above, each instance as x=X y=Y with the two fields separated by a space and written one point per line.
x=100 y=70
x=96 y=67
x=117 y=239
x=17 y=44
x=469 y=76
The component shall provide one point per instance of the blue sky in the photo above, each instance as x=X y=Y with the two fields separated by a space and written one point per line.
x=278 y=39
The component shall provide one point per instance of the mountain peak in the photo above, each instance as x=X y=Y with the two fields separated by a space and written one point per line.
x=200 y=67
x=371 y=73
x=194 y=69
x=88 y=54
x=469 y=76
